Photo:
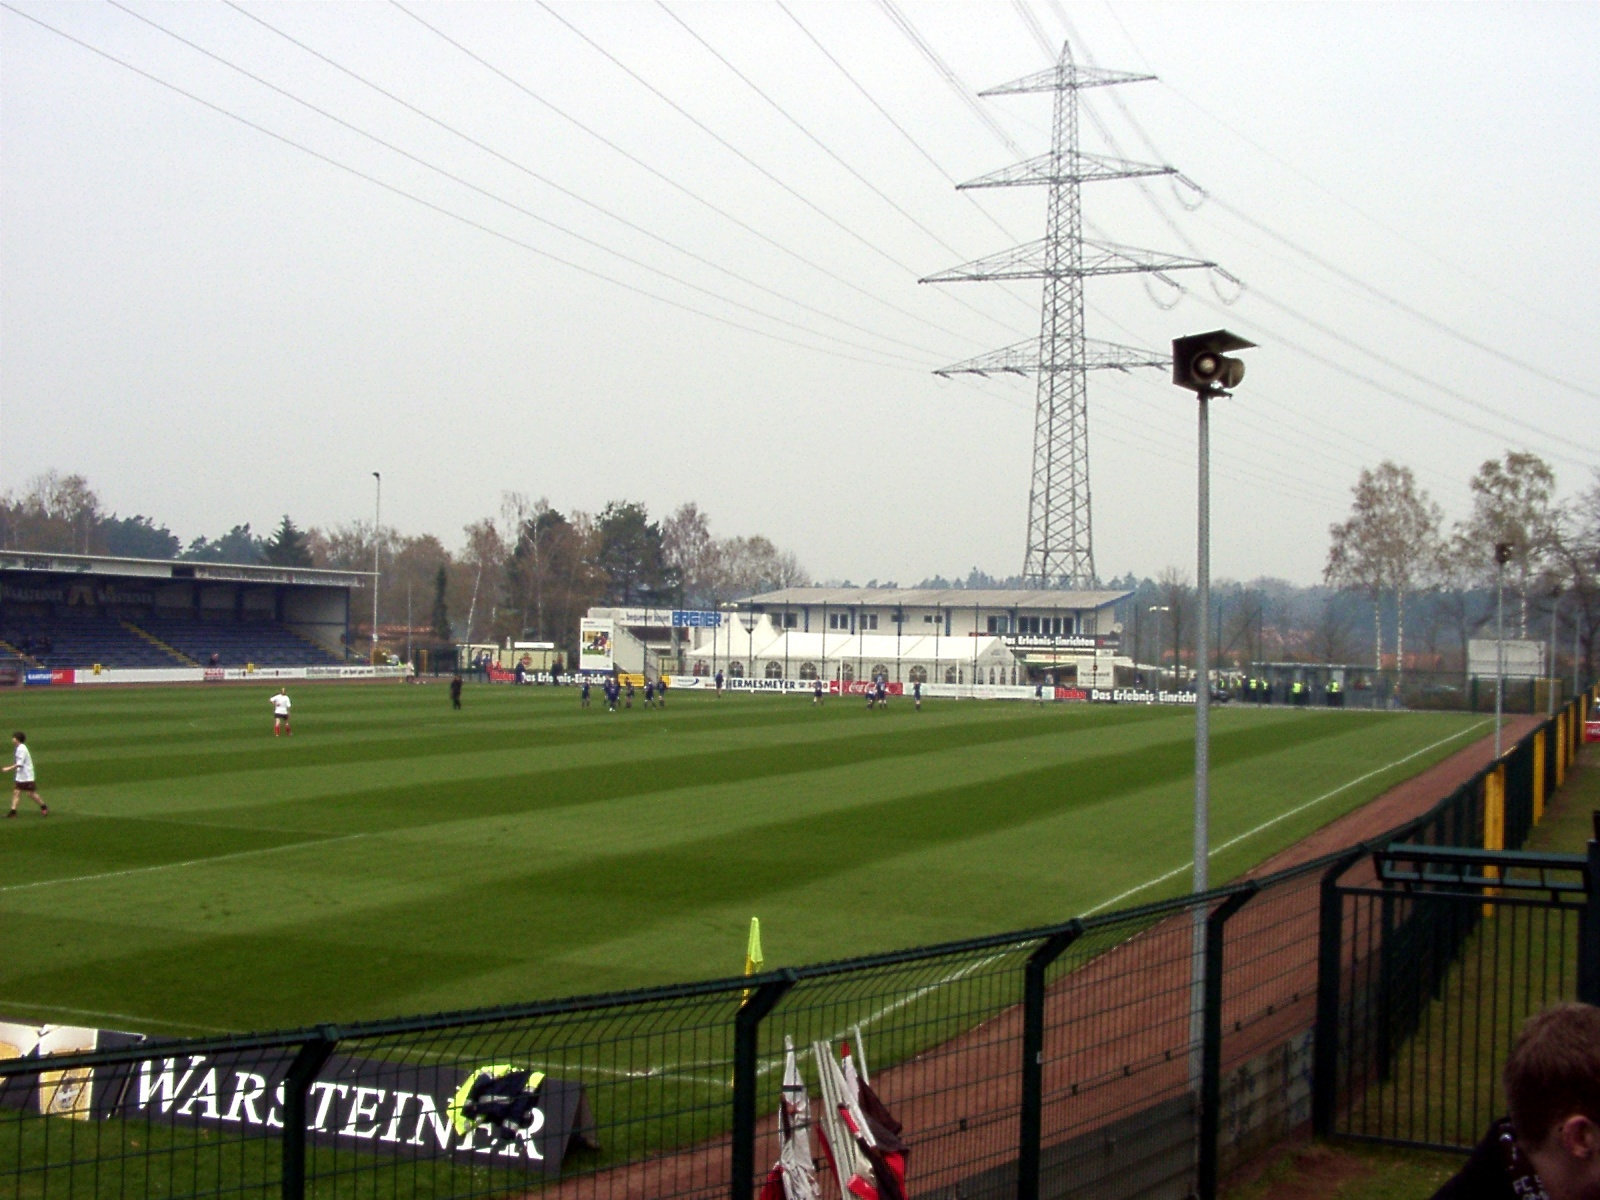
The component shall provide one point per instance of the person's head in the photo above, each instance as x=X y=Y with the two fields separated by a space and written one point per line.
x=19 y=737
x=1552 y=1081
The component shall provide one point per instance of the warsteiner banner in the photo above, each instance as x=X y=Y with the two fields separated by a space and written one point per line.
x=596 y=642
x=495 y=1111
x=385 y=1107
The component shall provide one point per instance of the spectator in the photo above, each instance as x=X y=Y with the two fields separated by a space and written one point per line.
x=1550 y=1145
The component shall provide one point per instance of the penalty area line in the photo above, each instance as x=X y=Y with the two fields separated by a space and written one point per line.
x=1283 y=816
x=188 y=862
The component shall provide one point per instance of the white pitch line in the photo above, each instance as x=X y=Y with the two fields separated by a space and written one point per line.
x=1299 y=808
x=115 y=1016
x=188 y=862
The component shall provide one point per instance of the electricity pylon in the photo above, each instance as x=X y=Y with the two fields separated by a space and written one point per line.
x=1060 y=543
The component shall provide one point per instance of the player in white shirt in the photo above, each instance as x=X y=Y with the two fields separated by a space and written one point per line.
x=24 y=782
x=280 y=713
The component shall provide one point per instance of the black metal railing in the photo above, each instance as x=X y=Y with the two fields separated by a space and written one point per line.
x=1089 y=1058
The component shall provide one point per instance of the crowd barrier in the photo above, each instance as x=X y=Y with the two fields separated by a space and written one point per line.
x=1075 y=1060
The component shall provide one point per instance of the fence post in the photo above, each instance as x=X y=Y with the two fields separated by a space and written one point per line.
x=1031 y=1109
x=313 y=1054
x=1325 y=1037
x=746 y=1030
x=1211 y=1043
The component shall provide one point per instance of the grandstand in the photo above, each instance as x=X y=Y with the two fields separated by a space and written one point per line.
x=62 y=611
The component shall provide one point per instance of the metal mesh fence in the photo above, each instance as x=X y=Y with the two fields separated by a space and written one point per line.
x=1137 y=1054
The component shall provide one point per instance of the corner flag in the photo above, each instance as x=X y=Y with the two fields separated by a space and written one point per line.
x=752 y=951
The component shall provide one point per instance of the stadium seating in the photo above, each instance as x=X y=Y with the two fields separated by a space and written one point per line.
x=84 y=639
x=266 y=644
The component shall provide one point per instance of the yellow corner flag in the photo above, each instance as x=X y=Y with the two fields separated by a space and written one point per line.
x=752 y=952
x=752 y=955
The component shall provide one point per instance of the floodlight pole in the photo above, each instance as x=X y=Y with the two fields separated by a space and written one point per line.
x=1502 y=553
x=1202 y=737
x=1200 y=363
x=1550 y=671
x=377 y=509
x=1158 y=609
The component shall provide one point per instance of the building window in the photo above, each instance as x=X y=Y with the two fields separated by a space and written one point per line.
x=791 y=620
x=774 y=670
x=950 y=675
x=736 y=669
x=880 y=671
x=869 y=620
x=930 y=618
x=919 y=674
x=846 y=672
x=808 y=670
x=838 y=620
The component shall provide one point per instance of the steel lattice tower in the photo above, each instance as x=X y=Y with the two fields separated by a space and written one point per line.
x=1060 y=549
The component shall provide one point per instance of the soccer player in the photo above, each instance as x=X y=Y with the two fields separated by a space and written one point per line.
x=280 y=713
x=24 y=781
x=455 y=690
x=583 y=695
x=816 y=691
x=719 y=685
x=649 y=692
x=916 y=692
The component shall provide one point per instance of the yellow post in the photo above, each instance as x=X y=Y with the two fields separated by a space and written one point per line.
x=1563 y=748
x=1494 y=823
x=1538 y=777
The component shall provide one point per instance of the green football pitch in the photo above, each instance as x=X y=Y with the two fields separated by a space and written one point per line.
x=196 y=874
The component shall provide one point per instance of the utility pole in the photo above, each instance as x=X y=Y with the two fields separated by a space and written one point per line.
x=1060 y=548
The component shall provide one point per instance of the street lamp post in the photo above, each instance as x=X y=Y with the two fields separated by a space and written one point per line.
x=1502 y=555
x=1201 y=364
x=377 y=510
x=1550 y=672
x=1158 y=609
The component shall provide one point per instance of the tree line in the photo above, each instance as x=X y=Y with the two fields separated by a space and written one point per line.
x=528 y=572
x=1399 y=586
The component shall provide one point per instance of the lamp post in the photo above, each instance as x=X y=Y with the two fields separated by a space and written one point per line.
x=1158 y=609
x=1200 y=363
x=1502 y=555
x=377 y=509
x=1550 y=673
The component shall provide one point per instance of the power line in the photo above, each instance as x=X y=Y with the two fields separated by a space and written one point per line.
x=872 y=245
x=811 y=137
x=569 y=193
x=425 y=203
x=666 y=179
x=512 y=205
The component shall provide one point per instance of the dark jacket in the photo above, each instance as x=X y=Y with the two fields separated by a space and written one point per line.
x=1497 y=1170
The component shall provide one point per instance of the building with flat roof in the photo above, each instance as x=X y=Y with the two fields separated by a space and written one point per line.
x=907 y=635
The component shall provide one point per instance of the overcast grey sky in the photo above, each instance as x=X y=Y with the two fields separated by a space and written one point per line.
x=573 y=253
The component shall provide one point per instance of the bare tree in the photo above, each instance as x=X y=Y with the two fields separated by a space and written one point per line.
x=57 y=513
x=1512 y=503
x=691 y=552
x=1177 y=598
x=1391 y=540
